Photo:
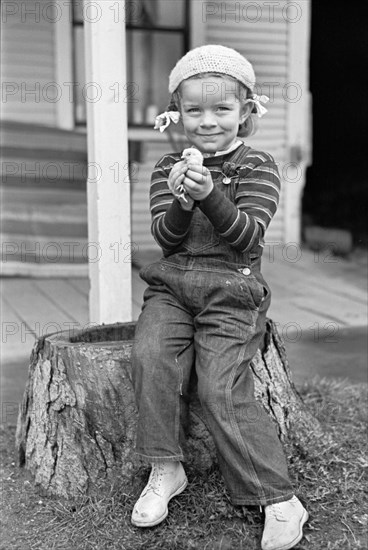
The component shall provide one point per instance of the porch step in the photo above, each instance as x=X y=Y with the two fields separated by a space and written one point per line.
x=39 y=198
x=43 y=177
x=34 y=155
x=43 y=249
x=47 y=271
x=33 y=136
x=52 y=220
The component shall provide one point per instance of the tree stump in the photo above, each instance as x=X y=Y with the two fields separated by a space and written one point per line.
x=77 y=420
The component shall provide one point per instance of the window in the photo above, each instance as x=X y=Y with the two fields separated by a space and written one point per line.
x=157 y=35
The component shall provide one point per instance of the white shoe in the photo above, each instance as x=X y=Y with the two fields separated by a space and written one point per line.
x=283 y=524
x=166 y=480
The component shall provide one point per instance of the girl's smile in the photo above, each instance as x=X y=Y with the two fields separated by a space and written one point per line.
x=211 y=112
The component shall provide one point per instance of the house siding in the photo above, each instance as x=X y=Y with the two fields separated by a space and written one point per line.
x=27 y=62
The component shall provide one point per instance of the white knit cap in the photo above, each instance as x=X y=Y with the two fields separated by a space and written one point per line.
x=212 y=59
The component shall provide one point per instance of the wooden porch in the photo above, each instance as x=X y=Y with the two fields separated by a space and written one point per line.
x=319 y=301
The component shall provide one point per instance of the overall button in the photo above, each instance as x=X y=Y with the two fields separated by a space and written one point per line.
x=246 y=271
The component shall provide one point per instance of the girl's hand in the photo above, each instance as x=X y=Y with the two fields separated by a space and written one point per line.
x=175 y=184
x=198 y=182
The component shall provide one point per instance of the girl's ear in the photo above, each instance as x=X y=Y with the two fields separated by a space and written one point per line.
x=245 y=112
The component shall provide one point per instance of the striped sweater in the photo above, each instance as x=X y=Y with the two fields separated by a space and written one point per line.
x=242 y=222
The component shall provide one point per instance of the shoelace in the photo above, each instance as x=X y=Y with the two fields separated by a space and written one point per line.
x=276 y=512
x=155 y=479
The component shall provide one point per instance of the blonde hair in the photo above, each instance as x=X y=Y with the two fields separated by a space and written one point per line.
x=242 y=93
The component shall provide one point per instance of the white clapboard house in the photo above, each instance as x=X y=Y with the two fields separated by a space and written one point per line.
x=46 y=96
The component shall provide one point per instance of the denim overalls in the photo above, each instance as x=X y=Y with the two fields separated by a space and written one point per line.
x=206 y=306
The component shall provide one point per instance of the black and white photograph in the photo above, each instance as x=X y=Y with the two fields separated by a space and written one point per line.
x=184 y=267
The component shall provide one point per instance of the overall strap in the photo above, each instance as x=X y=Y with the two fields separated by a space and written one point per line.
x=239 y=156
x=230 y=169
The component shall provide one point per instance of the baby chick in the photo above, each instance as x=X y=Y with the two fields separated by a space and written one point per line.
x=194 y=156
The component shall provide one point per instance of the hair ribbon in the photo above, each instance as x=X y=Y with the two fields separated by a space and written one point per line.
x=163 y=120
x=257 y=100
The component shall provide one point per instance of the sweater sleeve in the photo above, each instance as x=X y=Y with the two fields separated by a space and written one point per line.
x=244 y=223
x=170 y=222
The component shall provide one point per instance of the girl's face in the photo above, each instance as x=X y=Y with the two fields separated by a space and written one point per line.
x=211 y=112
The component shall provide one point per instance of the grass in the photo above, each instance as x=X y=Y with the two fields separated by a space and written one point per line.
x=331 y=482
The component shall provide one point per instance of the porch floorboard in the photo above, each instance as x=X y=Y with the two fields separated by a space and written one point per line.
x=313 y=302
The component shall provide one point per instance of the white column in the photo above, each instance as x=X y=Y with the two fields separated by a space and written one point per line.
x=63 y=47
x=298 y=131
x=108 y=182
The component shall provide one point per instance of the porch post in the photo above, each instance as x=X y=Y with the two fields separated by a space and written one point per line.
x=108 y=187
x=63 y=47
x=298 y=116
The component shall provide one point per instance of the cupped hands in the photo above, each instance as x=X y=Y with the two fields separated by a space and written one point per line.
x=197 y=182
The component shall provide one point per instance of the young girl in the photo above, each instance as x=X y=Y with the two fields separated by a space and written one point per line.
x=206 y=302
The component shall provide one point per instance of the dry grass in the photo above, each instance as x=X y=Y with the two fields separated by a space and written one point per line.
x=331 y=482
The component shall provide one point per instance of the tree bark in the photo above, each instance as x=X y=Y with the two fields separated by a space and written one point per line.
x=77 y=420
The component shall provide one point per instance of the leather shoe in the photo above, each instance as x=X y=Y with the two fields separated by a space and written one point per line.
x=283 y=524
x=167 y=479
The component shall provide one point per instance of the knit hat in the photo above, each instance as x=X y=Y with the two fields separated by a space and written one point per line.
x=212 y=59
